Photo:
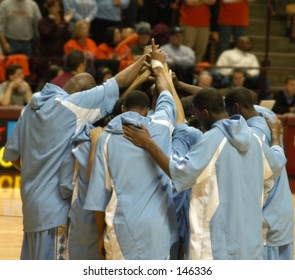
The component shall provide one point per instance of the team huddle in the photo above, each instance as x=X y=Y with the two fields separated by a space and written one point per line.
x=147 y=185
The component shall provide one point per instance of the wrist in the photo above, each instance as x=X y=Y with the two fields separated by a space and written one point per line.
x=158 y=71
x=149 y=144
x=156 y=63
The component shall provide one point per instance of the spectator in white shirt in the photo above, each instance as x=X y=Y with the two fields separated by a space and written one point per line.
x=238 y=57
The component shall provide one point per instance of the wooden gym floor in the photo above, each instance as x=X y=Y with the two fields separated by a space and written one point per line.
x=11 y=229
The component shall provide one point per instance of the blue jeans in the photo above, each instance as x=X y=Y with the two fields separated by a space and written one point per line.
x=21 y=47
x=225 y=31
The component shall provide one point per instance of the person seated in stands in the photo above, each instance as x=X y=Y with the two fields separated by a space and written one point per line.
x=160 y=32
x=290 y=32
x=52 y=72
x=285 y=99
x=279 y=9
x=75 y=63
x=240 y=56
x=15 y=90
x=143 y=30
x=103 y=74
x=81 y=41
x=238 y=78
x=109 y=13
x=127 y=31
x=108 y=50
x=204 y=79
x=180 y=58
x=53 y=29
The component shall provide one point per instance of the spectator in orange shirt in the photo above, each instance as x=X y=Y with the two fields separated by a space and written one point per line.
x=81 y=41
x=108 y=50
x=232 y=20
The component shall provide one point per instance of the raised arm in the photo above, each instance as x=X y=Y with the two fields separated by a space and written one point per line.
x=140 y=79
x=128 y=75
x=180 y=116
x=188 y=88
x=276 y=132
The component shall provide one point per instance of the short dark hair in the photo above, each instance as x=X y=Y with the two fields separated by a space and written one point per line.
x=117 y=109
x=100 y=74
x=239 y=70
x=209 y=99
x=240 y=95
x=187 y=104
x=11 y=69
x=73 y=60
x=109 y=35
x=137 y=99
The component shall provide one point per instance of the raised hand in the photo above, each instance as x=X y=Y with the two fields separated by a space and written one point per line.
x=156 y=53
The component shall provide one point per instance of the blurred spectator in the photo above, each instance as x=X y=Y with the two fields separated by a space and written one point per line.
x=119 y=57
x=40 y=4
x=75 y=63
x=127 y=31
x=143 y=29
x=53 y=29
x=232 y=20
x=290 y=32
x=280 y=10
x=103 y=74
x=81 y=9
x=195 y=20
x=81 y=41
x=285 y=99
x=15 y=90
x=240 y=56
x=205 y=79
x=18 y=26
x=180 y=58
x=160 y=32
x=109 y=13
x=52 y=72
x=158 y=11
x=238 y=79
x=130 y=14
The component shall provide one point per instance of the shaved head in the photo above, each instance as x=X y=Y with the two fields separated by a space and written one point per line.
x=79 y=82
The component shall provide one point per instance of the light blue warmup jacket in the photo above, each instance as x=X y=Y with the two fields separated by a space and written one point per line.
x=226 y=171
x=134 y=193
